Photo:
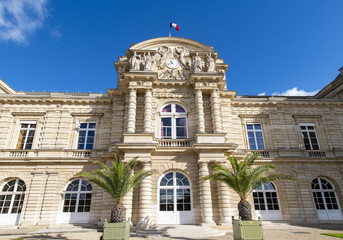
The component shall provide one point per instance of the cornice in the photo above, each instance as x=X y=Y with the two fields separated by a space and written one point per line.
x=284 y=102
x=90 y=114
x=44 y=100
x=228 y=94
x=306 y=116
x=28 y=113
x=253 y=115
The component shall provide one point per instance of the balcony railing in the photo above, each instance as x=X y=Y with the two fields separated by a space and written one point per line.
x=47 y=153
x=316 y=154
x=174 y=143
x=297 y=153
x=262 y=153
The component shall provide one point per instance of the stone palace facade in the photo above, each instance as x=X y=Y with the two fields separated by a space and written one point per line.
x=172 y=109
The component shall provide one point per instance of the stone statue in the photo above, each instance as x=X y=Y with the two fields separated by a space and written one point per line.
x=197 y=63
x=183 y=54
x=210 y=63
x=135 y=62
x=148 y=62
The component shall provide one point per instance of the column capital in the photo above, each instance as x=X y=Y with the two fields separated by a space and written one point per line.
x=203 y=162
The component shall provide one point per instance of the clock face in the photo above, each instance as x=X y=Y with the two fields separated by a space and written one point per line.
x=172 y=63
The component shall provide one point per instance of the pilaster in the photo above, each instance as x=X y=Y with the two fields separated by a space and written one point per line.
x=131 y=120
x=205 y=194
x=148 y=111
x=145 y=199
x=200 y=110
x=216 y=116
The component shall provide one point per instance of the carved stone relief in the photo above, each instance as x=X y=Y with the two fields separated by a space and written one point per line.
x=171 y=62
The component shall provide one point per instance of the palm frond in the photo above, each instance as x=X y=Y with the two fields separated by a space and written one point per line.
x=244 y=177
x=117 y=181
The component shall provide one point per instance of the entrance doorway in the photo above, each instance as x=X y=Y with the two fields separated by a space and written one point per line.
x=326 y=200
x=175 y=199
x=12 y=196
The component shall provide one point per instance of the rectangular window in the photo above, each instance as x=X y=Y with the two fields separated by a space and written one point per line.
x=255 y=136
x=86 y=135
x=26 y=135
x=309 y=136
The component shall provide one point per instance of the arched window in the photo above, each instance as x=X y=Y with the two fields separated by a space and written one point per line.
x=77 y=197
x=175 y=204
x=265 y=197
x=324 y=194
x=173 y=122
x=12 y=197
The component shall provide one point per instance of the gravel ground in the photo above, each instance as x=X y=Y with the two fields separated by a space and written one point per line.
x=293 y=233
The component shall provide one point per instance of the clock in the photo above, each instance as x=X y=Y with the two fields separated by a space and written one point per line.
x=172 y=63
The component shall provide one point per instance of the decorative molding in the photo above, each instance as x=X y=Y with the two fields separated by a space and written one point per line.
x=258 y=115
x=87 y=114
x=28 y=113
x=306 y=116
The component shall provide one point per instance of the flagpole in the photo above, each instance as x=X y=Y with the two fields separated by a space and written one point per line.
x=169 y=30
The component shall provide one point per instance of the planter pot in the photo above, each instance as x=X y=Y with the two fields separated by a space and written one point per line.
x=116 y=231
x=247 y=230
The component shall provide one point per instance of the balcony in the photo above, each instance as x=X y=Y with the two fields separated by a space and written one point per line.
x=295 y=153
x=175 y=143
x=46 y=154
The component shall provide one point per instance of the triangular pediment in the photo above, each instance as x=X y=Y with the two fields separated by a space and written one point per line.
x=5 y=89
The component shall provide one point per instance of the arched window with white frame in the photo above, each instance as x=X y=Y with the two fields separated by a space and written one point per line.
x=76 y=202
x=175 y=199
x=173 y=122
x=266 y=202
x=326 y=200
x=11 y=201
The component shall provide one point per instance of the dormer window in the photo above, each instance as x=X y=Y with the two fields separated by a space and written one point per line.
x=173 y=122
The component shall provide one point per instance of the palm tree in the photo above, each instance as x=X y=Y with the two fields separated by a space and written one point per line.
x=117 y=181
x=243 y=178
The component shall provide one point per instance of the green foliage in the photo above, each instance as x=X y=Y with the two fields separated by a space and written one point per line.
x=338 y=235
x=243 y=177
x=117 y=181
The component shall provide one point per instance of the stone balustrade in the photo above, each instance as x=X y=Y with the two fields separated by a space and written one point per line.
x=175 y=143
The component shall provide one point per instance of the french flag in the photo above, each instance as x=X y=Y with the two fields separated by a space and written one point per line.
x=175 y=26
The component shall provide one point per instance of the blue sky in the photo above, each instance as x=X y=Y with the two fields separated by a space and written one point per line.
x=271 y=45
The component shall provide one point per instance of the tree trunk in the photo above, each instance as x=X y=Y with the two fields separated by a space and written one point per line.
x=118 y=214
x=244 y=210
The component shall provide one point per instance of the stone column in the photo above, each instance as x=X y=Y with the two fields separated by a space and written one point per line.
x=225 y=204
x=127 y=202
x=145 y=199
x=131 y=119
x=147 y=111
x=216 y=116
x=200 y=110
x=205 y=195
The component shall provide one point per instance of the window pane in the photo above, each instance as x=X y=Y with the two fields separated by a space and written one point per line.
x=181 y=122
x=91 y=125
x=257 y=126
x=167 y=108
x=179 y=109
x=166 y=122
x=181 y=133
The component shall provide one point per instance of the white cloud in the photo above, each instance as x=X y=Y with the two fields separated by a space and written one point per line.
x=262 y=94
x=295 y=92
x=20 y=18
